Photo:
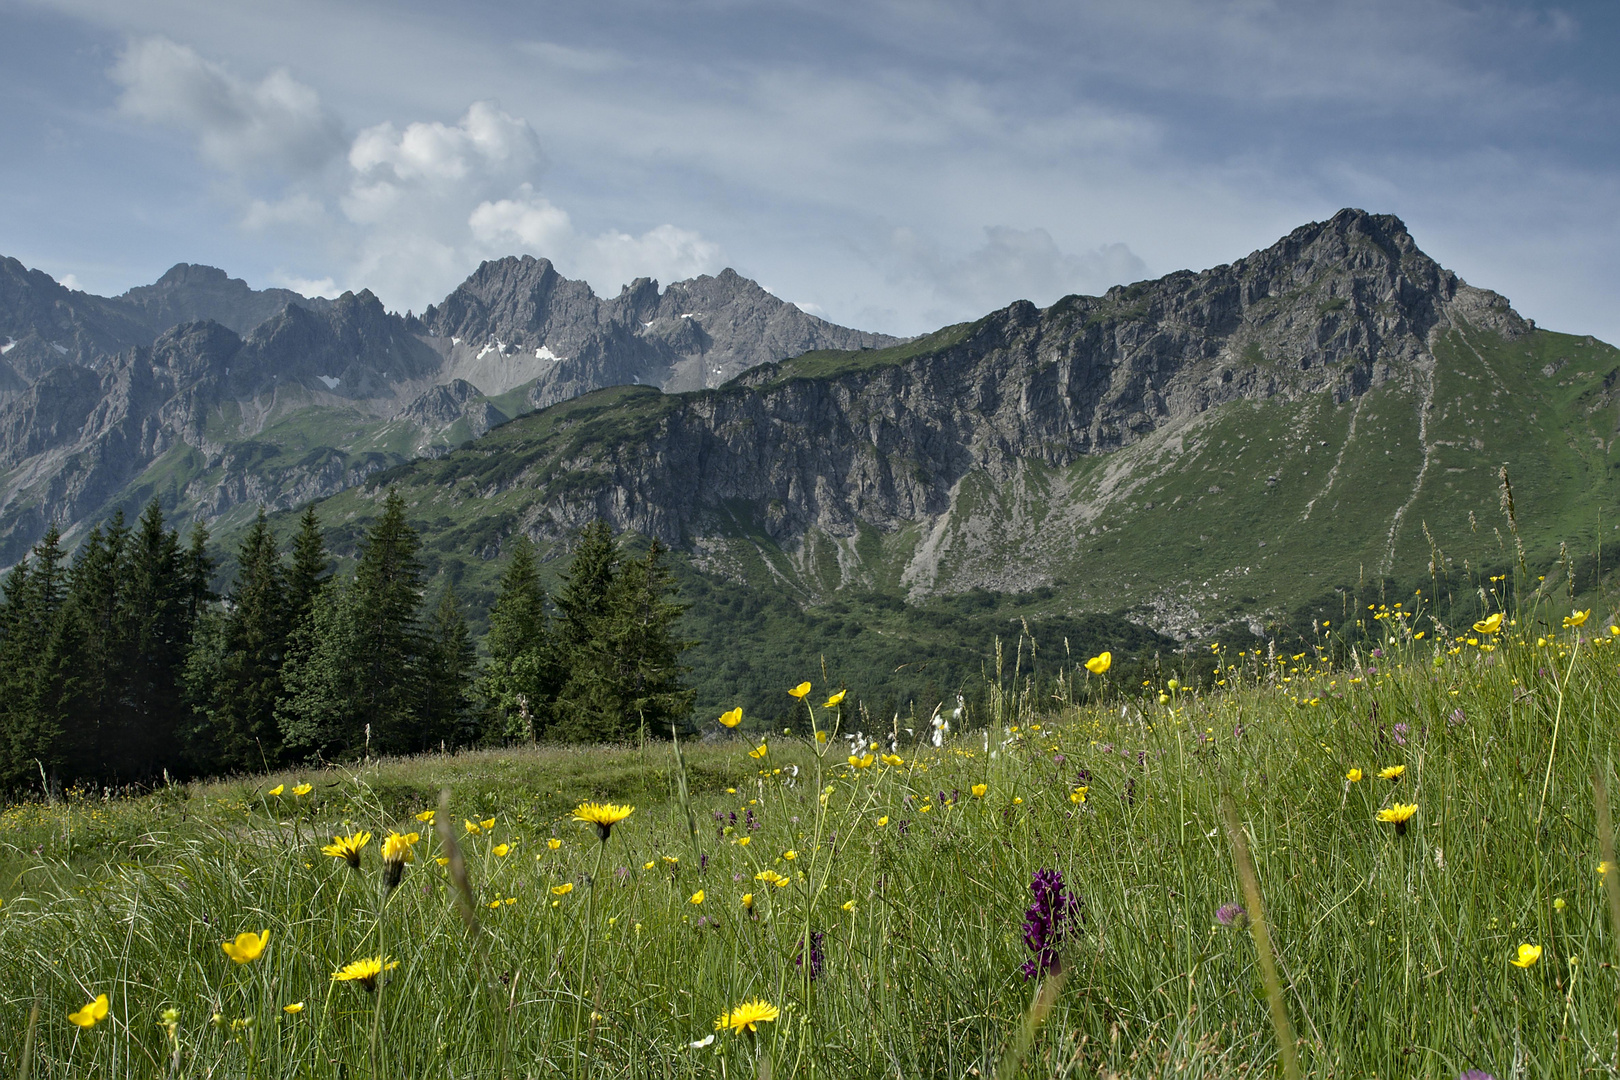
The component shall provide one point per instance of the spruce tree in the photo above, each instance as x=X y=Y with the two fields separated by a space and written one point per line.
x=156 y=608
x=310 y=564
x=586 y=709
x=448 y=716
x=321 y=709
x=96 y=706
x=645 y=648
x=387 y=605
x=520 y=680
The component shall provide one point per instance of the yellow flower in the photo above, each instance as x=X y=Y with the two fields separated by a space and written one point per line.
x=800 y=691
x=1602 y=868
x=247 y=947
x=732 y=717
x=1528 y=954
x=348 y=847
x=1398 y=815
x=303 y=789
x=426 y=817
x=397 y=848
x=443 y=860
x=979 y=790
x=862 y=762
x=1354 y=776
x=554 y=843
x=562 y=890
x=746 y=1015
x=1572 y=620
x=894 y=761
x=882 y=821
x=1391 y=772
x=91 y=1013
x=472 y=827
x=770 y=877
x=748 y=900
x=277 y=790
x=294 y=1009
x=790 y=855
x=835 y=699
x=501 y=850
x=648 y=865
x=365 y=971
x=603 y=815
x=757 y=754
x=744 y=841
x=1489 y=625
x=1558 y=904
x=697 y=897
x=849 y=905
x=487 y=824
x=1099 y=664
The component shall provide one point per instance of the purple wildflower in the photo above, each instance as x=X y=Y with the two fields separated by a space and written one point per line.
x=1232 y=915
x=1399 y=733
x=816 y=955
x=1046 y=922
x=1378 y=654
x=1458 y=717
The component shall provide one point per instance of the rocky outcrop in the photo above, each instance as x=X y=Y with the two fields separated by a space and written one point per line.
x=188 y=292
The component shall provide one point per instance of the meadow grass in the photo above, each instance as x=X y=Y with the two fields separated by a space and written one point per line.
x=1393 y=947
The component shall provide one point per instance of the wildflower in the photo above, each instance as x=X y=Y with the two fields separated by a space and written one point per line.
x=487 y=824
x=862 y=762
x=1572 y=621
x=849 y=905
x=1490 y=625
x=1528 y=955
x=443 y=860
x=562 y=890
x=1232 y=915
x=707 y=1040
x=757 y=754
x=554 y=843
x=365 y=971
x=247 y=947
x=821 y=740
x=746 y=1015
x=894 y=761
x=979 y=790
x=732 y=717
x=800 y=691
x=835 y=699
x=1354 y=776
x=1391 y=772
x=426 y=817
x=743 y=841
x=1558 y=904
x=303 y=789
x=1078 y=795
x=697 y=897
x=472 y=827
x=1398 y=815
x=501 y=851
x=294 y=1009
x=816 y=955
x=1044 y=922
x=748 y=900
x=771 y=877
x=603 y=815
x=1099 y=664
x=882 y=821
x=790 y=854
x=277 y=790
x=1475 y=1074
x=88 y=1016
x=1602 y=868
x=348 y=847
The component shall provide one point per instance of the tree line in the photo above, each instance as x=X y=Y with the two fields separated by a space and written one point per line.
x=121 y=664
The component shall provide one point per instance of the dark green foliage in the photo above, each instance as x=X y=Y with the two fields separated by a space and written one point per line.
x=387 y=599
x=310 y=566
x=319 y=712
x=449 y=713
x=520 y=680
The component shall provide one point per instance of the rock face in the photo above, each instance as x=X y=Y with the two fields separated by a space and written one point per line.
x=208 y=393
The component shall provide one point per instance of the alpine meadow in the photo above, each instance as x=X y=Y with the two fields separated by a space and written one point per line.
x=1212 y=678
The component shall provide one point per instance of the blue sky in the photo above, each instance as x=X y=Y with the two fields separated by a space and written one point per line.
x=894 y=166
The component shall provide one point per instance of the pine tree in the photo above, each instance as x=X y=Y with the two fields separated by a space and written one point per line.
x=321 y=710
x=645 y=649
x=586 y=707
x=449 y=719
x=156 y=608
x=387 y=603
x=520 y=680
x=309 y=568
x=95 y=706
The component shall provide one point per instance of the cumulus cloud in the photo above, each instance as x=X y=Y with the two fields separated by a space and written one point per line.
x=239 y=125
x=406 y=211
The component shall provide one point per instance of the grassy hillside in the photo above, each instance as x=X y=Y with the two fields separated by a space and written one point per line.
x=554 y=954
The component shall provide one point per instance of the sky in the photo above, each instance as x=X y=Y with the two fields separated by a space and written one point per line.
x=892 y=165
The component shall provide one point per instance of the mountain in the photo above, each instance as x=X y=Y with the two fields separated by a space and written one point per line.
x=214 y=397
x=1238 y=444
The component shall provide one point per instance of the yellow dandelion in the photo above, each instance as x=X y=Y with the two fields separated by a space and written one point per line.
x=732 y=717
x=247 y=947
x=697 y=897
x=562 y=890
x=603 y=815
x=91 y=1014
x=979 y=790
x=277 y=790
x=1099 y=664
x=1398 y=815
x=800 y=691
x=365 y=971
x=1391 y=772
x=397 y=848
x=348 y=847
x=1528 y=955
x=294 y=1009
x=746 y=1015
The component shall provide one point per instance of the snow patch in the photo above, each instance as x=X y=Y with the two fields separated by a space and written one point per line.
x=11 y=343
x=59 y=348
x=646 y=324
x=455 y=341
x=545 y=353
x=332 y=381
x=688 y=316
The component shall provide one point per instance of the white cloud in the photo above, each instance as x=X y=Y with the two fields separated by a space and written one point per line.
x=239 y=126
x=306 y=286
x=70 y=281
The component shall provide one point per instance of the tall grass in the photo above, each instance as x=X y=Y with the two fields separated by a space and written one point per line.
x=1392 y=949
